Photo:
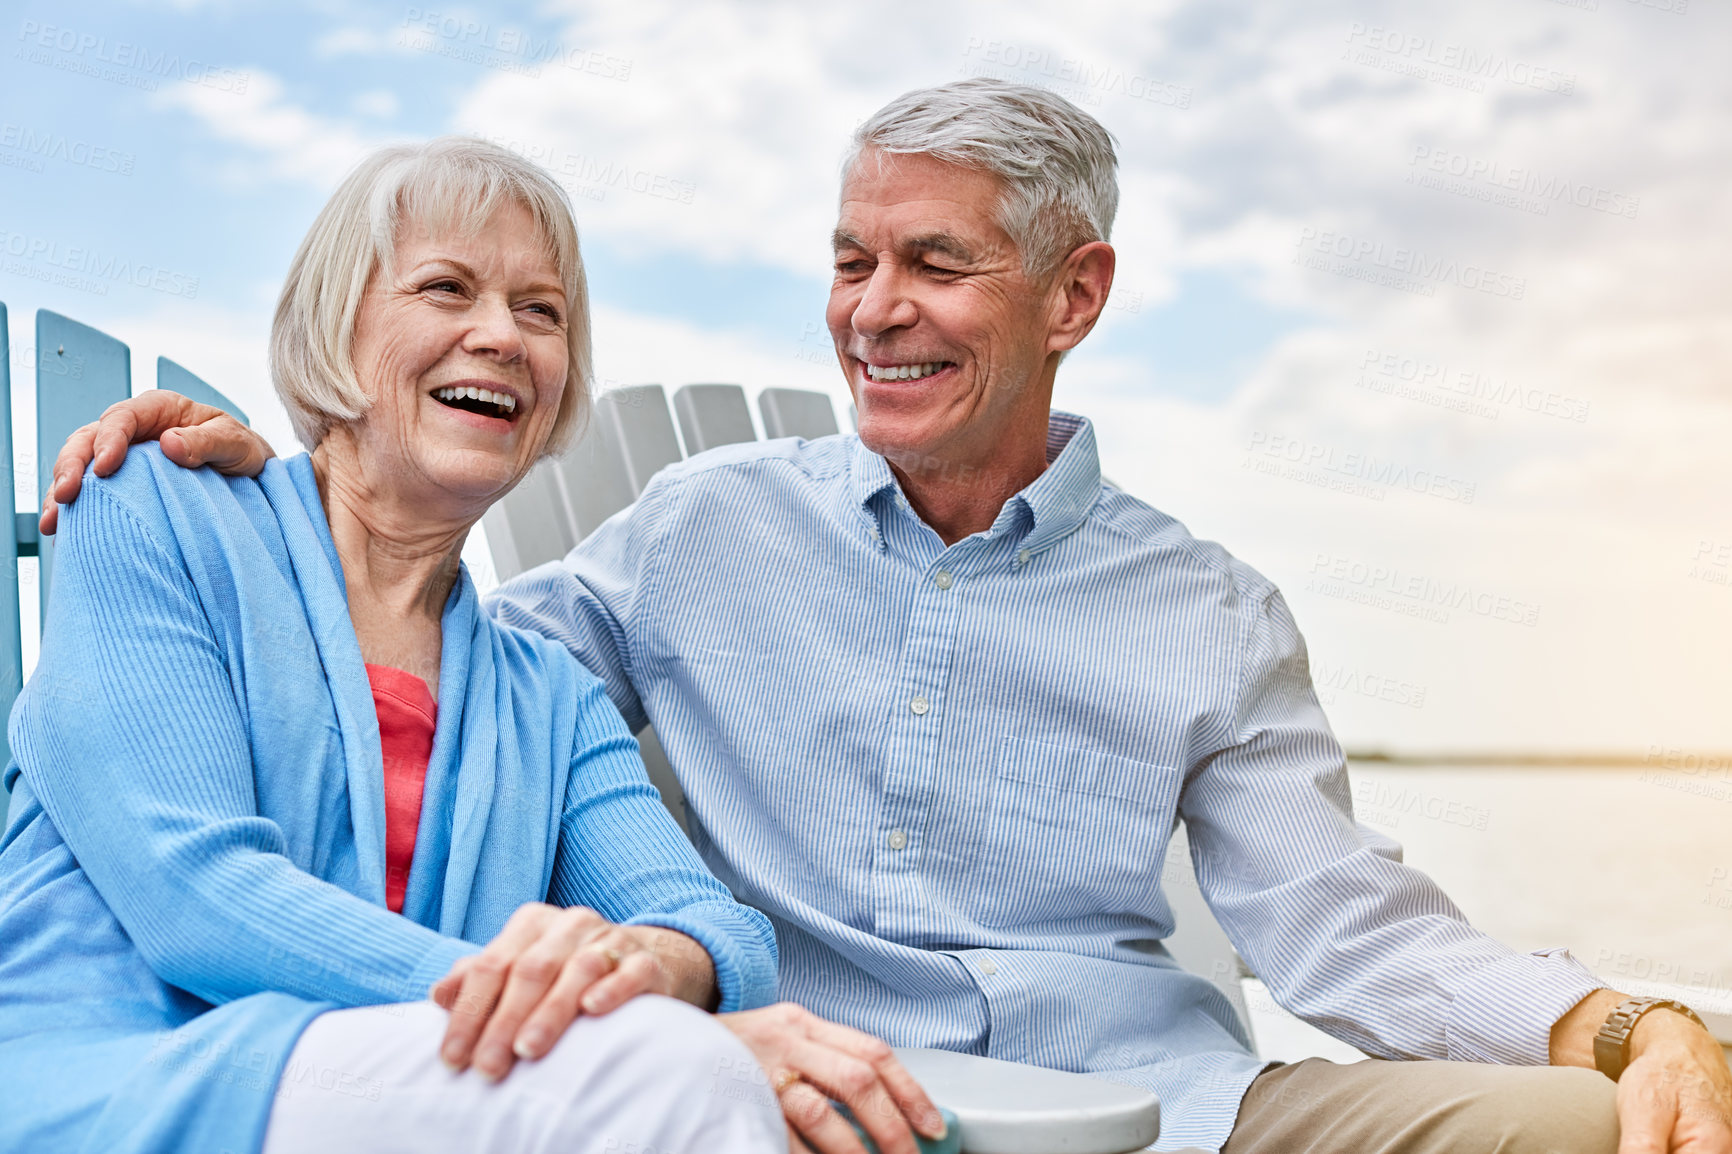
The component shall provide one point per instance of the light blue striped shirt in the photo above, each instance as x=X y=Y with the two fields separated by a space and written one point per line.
x=949 y=775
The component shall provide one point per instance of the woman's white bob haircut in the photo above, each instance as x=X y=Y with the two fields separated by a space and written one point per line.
x=1057 y=163
x=453 y=183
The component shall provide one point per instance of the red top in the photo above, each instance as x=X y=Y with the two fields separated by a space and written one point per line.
x=407 y=713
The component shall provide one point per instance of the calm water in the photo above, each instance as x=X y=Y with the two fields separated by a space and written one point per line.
x=1630 y=868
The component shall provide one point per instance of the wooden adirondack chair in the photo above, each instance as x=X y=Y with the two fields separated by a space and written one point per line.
x=80 y=371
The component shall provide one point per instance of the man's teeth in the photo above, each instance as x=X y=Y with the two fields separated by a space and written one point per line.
x=904 y=372
x=459 y=392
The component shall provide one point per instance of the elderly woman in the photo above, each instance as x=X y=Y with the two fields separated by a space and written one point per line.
x=276 y=775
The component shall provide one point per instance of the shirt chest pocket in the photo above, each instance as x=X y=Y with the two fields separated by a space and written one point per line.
x=1072 y=832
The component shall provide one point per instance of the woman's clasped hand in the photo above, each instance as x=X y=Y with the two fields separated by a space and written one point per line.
x=517 y=996
x=514 y=1000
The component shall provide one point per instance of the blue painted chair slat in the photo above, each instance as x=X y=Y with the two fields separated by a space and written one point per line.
x=11 y=643
x=80 y=371
x=178 y=379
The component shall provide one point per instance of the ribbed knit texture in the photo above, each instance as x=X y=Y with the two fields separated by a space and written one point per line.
x=949 y=774
x=198 y=816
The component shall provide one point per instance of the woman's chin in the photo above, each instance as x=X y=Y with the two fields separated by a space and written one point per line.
x=473 y=477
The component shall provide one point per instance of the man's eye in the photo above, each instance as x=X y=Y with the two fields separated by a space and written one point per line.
x=850 y=266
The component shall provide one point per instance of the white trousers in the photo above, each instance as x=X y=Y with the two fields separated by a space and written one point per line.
x=656 y=1076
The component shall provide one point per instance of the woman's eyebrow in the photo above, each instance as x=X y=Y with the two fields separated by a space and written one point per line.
x=442 y=264
x=452 y=264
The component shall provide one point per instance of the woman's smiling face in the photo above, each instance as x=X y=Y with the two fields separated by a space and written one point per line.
x=463 y=346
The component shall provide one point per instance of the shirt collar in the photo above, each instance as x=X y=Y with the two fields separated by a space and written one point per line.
x=1062 y=496
x=1057 y=500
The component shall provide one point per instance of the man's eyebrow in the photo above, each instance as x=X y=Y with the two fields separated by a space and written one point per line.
x=948 y=244
x=940 y=242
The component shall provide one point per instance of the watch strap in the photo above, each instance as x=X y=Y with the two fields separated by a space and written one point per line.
x=1612 y=1043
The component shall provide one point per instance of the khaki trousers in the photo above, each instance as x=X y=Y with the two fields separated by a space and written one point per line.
x=1377 y=1107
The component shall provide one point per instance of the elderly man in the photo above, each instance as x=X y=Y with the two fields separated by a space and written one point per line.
x=938 y=696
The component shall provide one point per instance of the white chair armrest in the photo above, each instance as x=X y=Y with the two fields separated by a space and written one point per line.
x=1009 y=1108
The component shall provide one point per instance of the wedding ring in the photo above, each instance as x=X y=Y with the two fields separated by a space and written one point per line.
x=785 y=1079
x=613 y=956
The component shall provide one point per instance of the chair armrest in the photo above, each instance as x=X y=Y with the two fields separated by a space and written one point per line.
x=1009 y=1108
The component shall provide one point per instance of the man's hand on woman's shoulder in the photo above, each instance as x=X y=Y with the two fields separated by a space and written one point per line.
x=516 y=997
x=191 y=434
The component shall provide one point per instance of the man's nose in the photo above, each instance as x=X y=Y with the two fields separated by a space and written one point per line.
x=885 y=305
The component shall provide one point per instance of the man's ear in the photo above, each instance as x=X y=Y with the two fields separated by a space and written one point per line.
x=1078 y=293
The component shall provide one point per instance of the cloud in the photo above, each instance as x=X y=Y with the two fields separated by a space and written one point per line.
x=1517 y=205
x=294 y=143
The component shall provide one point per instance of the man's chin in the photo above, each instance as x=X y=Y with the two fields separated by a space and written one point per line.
x=892 y=438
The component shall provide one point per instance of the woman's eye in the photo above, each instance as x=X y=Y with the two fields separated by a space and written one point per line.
x=545 y=310
x=444 y=286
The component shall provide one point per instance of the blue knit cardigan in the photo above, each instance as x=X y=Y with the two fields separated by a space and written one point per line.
x=194 y=863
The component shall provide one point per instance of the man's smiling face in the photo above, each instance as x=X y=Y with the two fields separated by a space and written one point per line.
x=940 y=333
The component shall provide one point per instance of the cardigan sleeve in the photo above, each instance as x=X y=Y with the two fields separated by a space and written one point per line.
x=132 y=738
x=621 y=854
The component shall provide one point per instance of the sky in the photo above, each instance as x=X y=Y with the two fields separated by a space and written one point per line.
x=1422 y=308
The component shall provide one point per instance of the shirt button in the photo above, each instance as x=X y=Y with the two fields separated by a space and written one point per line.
x=1022 y=556
x=897 y=839
x=987 y=966
x=919 y=705
x=942 y=579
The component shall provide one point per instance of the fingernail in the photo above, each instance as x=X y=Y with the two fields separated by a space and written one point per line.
x=592 y=1004
x=935 y=1127
x=531 y=1043
x=452 y=1056
x=493 y=1062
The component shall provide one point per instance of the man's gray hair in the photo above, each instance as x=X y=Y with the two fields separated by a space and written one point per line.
x=1056 y=161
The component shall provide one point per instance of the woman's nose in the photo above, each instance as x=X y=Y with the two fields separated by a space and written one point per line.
x=494 y=329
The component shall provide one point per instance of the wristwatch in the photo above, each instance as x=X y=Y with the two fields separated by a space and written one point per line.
x=1612 y=1043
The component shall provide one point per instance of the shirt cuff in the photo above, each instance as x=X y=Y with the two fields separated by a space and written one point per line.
x=745 y=976
x=1505 y=1012
x=435 y=965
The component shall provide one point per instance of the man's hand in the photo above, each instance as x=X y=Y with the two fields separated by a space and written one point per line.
x=517 y=997
x=809 y=1061
x=1676 y=1093
x=191 y=434
x=1675 y=1096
